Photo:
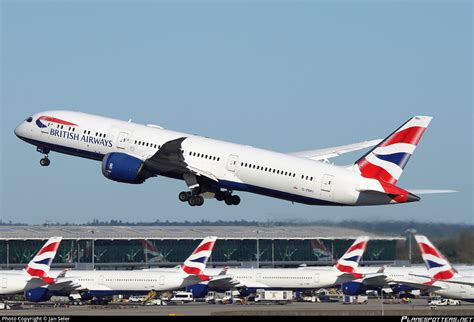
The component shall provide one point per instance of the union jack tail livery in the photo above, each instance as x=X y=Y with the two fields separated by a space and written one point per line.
x=349 y=262
x=438 y=266
x=196 y=263
x=386 y=161
x=39 y=266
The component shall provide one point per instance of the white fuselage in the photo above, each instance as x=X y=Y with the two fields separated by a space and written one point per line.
x=16 y=282
x=121 y=282
x=232 y=166
x=284 y=278
x=419 y=274
x=454 y=290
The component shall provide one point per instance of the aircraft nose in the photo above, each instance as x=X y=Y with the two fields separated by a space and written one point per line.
x=17 y=131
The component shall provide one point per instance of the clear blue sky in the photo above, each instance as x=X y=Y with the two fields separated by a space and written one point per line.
x=281 y=75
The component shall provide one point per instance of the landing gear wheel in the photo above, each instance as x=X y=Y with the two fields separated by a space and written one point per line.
x=183 y=196
x=228 y=200
x=45 y=162
x=200 y=200
x=192 y=201
x=235 y=200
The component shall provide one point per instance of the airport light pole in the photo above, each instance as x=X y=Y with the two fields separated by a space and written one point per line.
x=410 y=232
x=258 y=249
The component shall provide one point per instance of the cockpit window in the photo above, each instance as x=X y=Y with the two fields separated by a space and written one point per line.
x=29 y=119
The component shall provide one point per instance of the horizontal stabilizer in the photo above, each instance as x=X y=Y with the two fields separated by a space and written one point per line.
x=430 y=191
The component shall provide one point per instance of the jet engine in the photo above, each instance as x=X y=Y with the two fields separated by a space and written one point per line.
x=39 y=294
x=125 y=168
x=198 y=290
x=353 y=288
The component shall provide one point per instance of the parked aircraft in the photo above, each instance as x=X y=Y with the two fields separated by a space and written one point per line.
x=132 y=153
x=88 y=284
x=407 y=279
x=248 y=280
x=35 y=274
x=445 y=280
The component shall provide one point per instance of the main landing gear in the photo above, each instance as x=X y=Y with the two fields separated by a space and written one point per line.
x=44 y=161
x=191 y=199
x=228 y=198
x=197 y=200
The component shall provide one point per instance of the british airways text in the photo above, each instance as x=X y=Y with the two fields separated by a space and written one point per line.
x=80 y=137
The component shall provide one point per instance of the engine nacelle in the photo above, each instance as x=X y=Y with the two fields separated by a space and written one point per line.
x=198 y=290
x=39 y=294
x=122 y=167
x=353 y=288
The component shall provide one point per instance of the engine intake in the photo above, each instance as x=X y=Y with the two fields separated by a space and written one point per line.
x=39 y=294
x=353 y=288
x=125 y=168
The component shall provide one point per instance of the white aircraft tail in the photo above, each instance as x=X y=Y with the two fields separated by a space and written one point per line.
x=438 y=266
x=196 y=262
x=349 y=262
x=386 y=161
x=39 y=266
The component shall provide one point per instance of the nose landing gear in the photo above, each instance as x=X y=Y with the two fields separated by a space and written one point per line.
x=45 y=161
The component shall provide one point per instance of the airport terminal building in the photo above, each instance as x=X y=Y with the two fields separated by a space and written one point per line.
x=129 y=247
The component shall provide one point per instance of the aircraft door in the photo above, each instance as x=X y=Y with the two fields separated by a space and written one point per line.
x=101 y=279
x=259 y=277
x=326 y=183
x=316 y=278
x=122 y=140
x=162 y=280
x=4 y=282
x=232 y=162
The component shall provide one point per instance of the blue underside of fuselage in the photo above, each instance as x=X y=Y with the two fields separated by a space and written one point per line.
x=98 y=294
x=231 y=185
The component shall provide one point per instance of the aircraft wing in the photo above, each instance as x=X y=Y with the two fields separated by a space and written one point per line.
x=377 y=280
x=170 y=159
x=67 y=285
x=327 y=153
x=421 y=286
x=452 y=281
x=224 y=282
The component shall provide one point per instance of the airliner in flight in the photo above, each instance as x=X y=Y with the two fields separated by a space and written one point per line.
x=36 y=273
x=132 y=153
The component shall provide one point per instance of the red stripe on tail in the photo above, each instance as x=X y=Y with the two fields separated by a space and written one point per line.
x=411 y=135
x=369 y=170
x=204 y=247
x=50 y=248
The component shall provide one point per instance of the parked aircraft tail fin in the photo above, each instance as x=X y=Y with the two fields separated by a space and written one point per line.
x=437 y=265
x=196 y=262
x=40 y=264
x=349 y=262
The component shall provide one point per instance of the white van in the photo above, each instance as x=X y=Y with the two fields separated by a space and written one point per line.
x=182 y=297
